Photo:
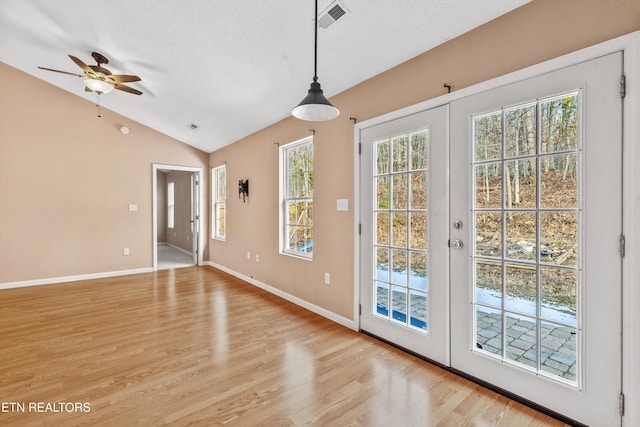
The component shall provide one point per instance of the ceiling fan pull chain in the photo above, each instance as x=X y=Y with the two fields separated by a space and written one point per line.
x=98 y=104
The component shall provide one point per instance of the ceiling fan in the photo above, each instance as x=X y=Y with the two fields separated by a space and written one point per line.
x=98 y=79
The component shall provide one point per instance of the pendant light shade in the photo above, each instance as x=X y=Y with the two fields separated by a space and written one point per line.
x=315 y=106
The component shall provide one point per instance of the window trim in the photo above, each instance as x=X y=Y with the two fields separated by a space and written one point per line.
x=215 y=234
x=284 y=190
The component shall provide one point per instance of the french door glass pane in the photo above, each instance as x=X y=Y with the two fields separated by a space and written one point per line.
x=399 y=303
x=382 y=157
x=558 y=350
x=487 y=136
x=401 y=240
x=489 y=282
x=382 y=192
x=489 y=185
x=399 y=147
x=382 y=299
x=418 y=227
x=559 y=124
x=521 y=340
x=520 y=131
x=521 y=183
x=399 y=229
x=418 y=190
x=382 y=228
x=418 y=304
x=558 y=289
x=489 y=330
x=559 y=181
x=559 y=238
x=399 y=267
x=489 y=234
x=520 y=288
x=526 y=228
x=520 y=239
x=382 y=264
x=399 y=196
x=418 y=277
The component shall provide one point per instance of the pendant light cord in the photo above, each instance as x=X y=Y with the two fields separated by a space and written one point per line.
x=315 y=48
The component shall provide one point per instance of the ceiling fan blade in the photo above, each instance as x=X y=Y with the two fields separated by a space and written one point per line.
x=127 y=89
x=63 y=72
x=124 y=78
x=81 y=64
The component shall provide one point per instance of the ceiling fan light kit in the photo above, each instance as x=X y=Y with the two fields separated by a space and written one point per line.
x=98 y=86
x=315 y=106
x=99 y=79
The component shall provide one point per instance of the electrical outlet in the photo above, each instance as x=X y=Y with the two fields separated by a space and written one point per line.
x=257 y=258
x=125 y=251
x=327 y=278
x=248 y=255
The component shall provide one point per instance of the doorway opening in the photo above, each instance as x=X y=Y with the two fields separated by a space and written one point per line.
x=177 y=211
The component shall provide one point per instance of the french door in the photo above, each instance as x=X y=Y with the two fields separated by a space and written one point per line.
x=494 y=248
x=404 y=267
x=536 y=285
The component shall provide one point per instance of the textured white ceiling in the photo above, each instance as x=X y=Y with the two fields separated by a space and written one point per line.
x=232 y=67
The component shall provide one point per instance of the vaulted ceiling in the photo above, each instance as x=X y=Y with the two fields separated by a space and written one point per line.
x=229 y=67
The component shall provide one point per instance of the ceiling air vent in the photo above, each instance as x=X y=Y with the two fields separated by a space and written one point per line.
x=330 y=15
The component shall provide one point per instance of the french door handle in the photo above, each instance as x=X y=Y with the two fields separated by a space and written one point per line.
x=457 y=244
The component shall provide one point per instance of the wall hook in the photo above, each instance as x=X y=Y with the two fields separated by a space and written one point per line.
x=354 y=120
x=448 y=88
x=313 y=131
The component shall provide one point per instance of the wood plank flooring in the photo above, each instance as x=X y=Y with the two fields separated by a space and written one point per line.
x=195 y=346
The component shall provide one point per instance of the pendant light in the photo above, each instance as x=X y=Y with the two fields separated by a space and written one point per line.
x=315 y=106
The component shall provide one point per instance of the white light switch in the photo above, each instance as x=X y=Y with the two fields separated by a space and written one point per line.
x=342 y=204
x=133 y=208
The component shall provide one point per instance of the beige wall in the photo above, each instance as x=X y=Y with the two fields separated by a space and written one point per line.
x=541 y=30
x=161 y=200
x=67 y=178
x=181 y=235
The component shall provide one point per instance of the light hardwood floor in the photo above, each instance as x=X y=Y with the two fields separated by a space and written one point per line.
x=195 y=346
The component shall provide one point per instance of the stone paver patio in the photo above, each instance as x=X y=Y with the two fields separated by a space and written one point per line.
x=557 y=342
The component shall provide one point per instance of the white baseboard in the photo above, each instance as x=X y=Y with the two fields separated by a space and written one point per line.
x=52 y=280
x=349 y=323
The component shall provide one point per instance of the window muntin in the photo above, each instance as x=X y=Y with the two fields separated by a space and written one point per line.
x=297 y=201
x=219 y=178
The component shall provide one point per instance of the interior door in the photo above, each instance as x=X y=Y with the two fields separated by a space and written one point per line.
x=404 y=214
x=536 y=269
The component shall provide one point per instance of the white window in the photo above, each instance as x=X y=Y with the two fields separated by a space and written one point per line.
x=297 y=198
x=170 y=205
x=219 y=186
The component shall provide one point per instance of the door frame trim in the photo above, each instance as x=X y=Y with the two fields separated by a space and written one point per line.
x=630 y=45
x=201 y=234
